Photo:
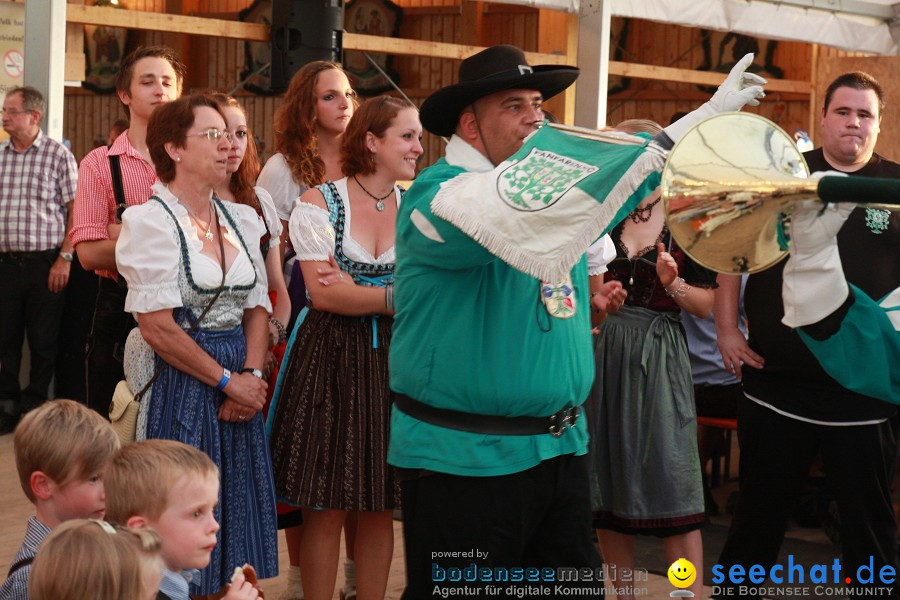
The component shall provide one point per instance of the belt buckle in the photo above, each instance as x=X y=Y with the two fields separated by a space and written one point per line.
x=563 y=419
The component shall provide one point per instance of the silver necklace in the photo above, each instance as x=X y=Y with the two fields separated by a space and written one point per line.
x=208 y=226
x=379 y=202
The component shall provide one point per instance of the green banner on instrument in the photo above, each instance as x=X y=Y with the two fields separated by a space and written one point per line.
x=541 y=209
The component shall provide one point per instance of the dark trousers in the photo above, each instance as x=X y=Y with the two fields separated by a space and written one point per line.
x=536 y=518
x=78 y=312
x=776 y=453
x=106 y=345
x=27 y=307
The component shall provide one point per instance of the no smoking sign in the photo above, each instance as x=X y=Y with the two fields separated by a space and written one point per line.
x=14 y=63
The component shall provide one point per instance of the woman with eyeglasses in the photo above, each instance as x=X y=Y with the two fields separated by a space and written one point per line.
x=197 y=286
x=645 y=464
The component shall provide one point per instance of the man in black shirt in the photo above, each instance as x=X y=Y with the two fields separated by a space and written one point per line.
x=792 y=409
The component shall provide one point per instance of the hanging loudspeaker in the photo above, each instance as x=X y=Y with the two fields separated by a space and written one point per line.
x=304 y=31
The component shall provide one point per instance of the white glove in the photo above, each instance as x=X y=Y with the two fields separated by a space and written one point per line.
x=739 y=88
x=820 y=174
x=813 y=284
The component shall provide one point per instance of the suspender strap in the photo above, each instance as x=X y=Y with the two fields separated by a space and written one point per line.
x=18 y=565
x=118 y=189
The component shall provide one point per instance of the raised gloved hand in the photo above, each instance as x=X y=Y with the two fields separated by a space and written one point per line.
x=813 y=284
x=739 y=89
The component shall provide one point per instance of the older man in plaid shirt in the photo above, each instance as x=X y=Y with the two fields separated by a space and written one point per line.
x=37 y=188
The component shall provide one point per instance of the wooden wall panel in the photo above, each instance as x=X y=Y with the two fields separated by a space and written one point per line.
x=88 y=116
x=674 y=46
x=217 y=64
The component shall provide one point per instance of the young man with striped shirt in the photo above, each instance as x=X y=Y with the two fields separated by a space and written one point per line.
x=149 y=77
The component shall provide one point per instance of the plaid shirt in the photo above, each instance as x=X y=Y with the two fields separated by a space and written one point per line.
x=95 y=200
x=35 y=186
x=16 y=586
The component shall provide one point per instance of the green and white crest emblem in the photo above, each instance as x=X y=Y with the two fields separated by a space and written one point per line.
x=878 y=219
x=540 y=179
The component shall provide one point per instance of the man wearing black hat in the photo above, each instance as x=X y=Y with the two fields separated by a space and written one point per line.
x=487 y=427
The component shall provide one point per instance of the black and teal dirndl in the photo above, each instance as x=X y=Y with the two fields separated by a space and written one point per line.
x=330 y=423
x=185 y=409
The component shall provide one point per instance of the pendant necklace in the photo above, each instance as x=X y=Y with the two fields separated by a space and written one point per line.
x=379 y=202
x=208 y=226
x=643 y=214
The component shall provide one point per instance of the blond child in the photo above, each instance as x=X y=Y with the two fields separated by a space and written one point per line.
x=173 y=489
x=86 y=559
x=61 y=450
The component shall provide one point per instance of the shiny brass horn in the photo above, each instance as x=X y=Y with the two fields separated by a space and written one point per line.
x=730 y=183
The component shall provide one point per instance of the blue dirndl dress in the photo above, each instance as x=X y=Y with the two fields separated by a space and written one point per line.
x=179 y=407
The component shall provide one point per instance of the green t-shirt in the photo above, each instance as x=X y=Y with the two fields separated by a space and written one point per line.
x=472 y=334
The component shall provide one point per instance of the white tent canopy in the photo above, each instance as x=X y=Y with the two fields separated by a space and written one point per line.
x=855 y=25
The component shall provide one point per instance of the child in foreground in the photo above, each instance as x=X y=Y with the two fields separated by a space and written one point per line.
x=61 y=450
x=86 y=559
x=173 y=489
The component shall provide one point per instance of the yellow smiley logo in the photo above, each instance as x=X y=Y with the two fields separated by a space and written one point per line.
x=682 y=573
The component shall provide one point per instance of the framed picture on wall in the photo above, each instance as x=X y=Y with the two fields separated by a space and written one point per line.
x=104 y=49
x=257 y=54
x=371 y=17
x=722 y=50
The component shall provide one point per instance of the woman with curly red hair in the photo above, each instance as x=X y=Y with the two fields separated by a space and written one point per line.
x=309 y=124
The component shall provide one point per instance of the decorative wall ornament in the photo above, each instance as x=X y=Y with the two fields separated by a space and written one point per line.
x=371 y=17
x=104 y=49
x=722 y=50
x=257 y=54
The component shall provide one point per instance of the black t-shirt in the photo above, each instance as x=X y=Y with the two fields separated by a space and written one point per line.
x=792 y=379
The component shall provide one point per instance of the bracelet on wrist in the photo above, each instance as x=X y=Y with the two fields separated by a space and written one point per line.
x=389 y=296
x=255 y=372
x=279 y=326
x=226 y=377
x=678 y=287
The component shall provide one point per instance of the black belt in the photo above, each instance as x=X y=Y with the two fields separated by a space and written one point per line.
x=555 y=424
x=20 y=257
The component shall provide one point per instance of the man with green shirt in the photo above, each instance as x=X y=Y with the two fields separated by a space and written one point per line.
x=490 y=365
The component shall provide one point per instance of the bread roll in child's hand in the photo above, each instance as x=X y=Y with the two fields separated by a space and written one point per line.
x=244 y=585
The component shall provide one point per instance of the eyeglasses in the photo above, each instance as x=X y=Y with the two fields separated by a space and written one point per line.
x=214 y=135
x=13 y=113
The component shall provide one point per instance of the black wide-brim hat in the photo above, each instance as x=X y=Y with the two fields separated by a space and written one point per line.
x=492 y=70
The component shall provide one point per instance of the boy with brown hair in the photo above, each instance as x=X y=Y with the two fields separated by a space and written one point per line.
x=172 y=488
x=62 y=449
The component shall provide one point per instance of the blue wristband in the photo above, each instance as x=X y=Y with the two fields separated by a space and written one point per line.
x=226 y=377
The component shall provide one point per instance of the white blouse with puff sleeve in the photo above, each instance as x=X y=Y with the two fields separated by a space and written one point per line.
x=600 y=254
x=270 y=214
x=276 y=178
x=148 y=254
x=313 y=236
